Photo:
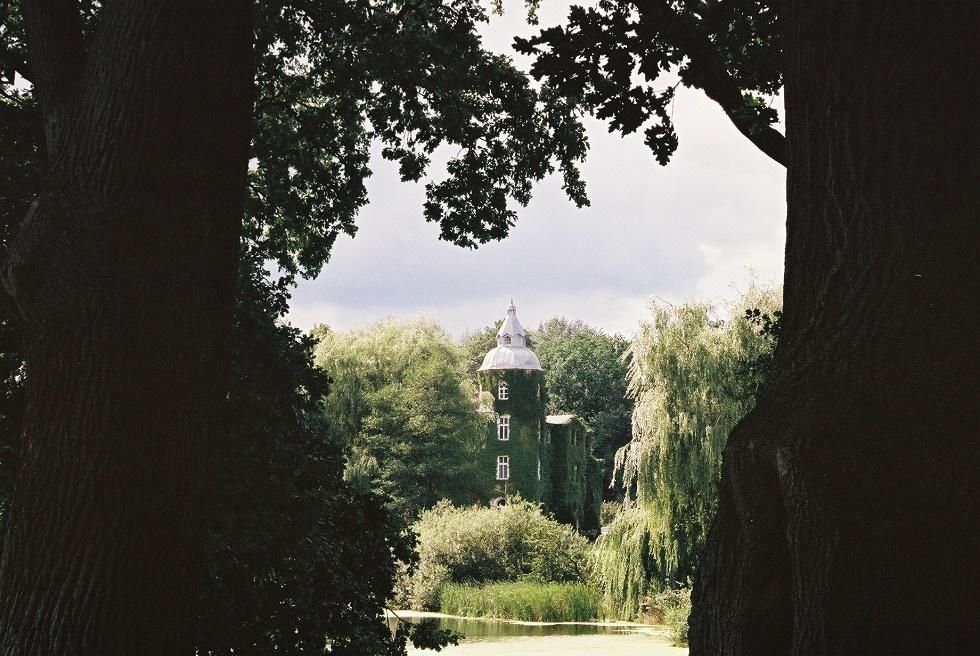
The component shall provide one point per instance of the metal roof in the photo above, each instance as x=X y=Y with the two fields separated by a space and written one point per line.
x=559 y=420
x=511 y=351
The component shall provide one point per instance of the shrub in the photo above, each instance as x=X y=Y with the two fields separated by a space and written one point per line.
x=479 y=545
x=527 y=601
x=608 y=512
x=675 y=606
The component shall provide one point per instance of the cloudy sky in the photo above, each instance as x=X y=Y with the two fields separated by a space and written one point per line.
x=699 y=227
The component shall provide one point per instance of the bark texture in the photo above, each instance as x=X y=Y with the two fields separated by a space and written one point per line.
x=124 y=273
x=848 y=519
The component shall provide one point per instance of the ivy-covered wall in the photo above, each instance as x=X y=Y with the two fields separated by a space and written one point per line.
x=549 y=463
x=525 y=405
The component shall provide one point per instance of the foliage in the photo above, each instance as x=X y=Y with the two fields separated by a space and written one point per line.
x=691 y=380
x=478 y=545
x=608 y=511
x=335 y=76
x=298 y=556
x=401 y=401
x=475 y=345
x=526 y=601
x=611 y=59
x=674 y=606
x=585 y=375
x=19 y=174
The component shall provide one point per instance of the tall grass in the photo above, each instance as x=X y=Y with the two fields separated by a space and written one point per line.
x=531 y=602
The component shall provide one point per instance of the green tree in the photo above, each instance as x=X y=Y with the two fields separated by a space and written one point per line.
x=851 y=470
x=692 y=379
x=586 y=375
x=402 y=401
x=297 y=556
x=123 y=274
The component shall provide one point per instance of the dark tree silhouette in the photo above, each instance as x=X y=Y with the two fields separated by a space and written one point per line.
x=848 y=518
x=123 y=274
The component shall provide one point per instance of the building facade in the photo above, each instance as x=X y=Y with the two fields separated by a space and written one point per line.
x=544 y=458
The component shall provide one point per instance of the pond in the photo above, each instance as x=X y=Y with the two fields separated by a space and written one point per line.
x=505 y=638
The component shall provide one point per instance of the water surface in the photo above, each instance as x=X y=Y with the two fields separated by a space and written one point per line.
x=506 y=638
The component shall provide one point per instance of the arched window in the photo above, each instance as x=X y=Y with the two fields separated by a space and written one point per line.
x=503 y=468
x=502 y=392
x=503 y=427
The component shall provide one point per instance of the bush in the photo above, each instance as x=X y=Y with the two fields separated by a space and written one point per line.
x=530 y=602
x=675 y=608
x=608 y=512
x=479 y=545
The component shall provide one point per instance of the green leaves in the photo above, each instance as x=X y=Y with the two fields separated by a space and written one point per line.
x=690 y=377
x=334 y=77
x=401 y=400
x=612 y=59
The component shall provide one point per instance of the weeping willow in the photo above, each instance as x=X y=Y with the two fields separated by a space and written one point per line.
x=692 y=378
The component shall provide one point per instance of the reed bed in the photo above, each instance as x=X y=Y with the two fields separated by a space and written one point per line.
x=526 y=601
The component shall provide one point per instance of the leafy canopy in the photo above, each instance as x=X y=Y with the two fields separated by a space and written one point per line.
x=692 y=378
x=585 y=373
x=623 y=61
x=402 y=402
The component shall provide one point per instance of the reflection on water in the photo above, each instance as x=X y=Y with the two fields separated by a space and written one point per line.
x=489 y=630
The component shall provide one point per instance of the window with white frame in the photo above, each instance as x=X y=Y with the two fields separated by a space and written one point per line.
x=503 y=427
x=506 y=340
x=502 y=392
x=503 y=468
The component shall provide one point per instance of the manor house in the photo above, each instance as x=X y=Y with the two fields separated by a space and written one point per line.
x=544 y=458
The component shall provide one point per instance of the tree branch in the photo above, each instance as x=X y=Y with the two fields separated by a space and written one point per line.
x=707 y=72
x=55 y=50
x=13 y=60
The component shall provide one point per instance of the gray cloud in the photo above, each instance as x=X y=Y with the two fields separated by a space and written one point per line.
x=693 y=228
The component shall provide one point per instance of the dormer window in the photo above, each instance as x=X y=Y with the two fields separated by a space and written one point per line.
x=506 y=340
x=502 y=392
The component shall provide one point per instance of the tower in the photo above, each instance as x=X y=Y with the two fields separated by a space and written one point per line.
x=516 y=444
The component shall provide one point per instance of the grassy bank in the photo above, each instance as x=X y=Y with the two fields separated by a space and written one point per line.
x=531 y=602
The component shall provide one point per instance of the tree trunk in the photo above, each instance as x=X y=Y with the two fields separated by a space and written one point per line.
x=124 y=274
x=848 y=517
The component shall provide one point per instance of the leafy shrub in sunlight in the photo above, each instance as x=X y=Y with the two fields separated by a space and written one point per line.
x=479 y=545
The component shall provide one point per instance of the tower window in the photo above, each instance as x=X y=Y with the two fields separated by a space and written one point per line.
x=502 y=392
x=507 y=340
x=503 y=427
x=503 y=468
